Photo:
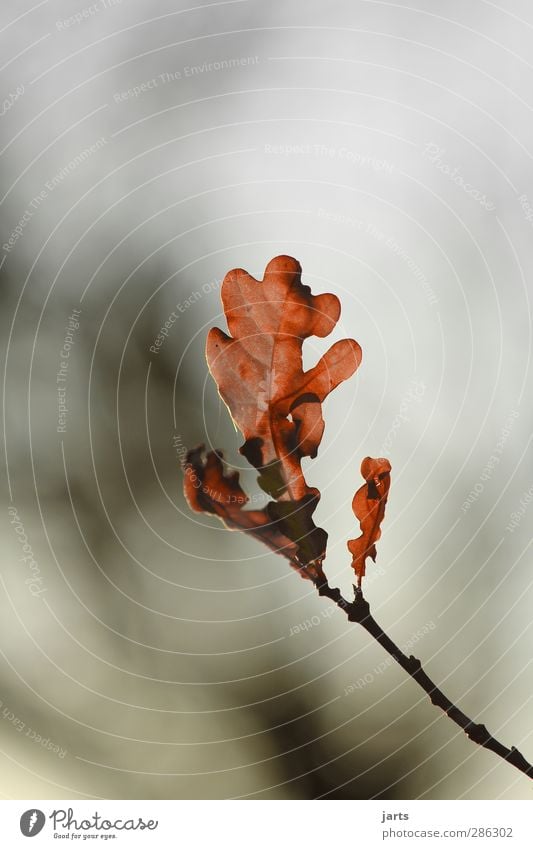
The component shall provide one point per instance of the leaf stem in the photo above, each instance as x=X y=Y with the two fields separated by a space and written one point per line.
x=358 y=611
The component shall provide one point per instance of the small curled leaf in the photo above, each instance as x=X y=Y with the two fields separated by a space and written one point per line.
x=368 y=506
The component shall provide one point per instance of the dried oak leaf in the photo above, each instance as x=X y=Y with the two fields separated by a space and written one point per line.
x=368 y=506
x=209 y=489
x=275 y=404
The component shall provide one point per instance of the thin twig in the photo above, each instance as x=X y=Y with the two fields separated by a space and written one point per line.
x=359 y=611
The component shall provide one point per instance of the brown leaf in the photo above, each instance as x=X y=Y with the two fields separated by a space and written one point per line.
x=276 y=405
x=368 y=506
x=208 y=489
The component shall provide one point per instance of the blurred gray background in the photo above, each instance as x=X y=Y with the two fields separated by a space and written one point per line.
x=146 y=149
